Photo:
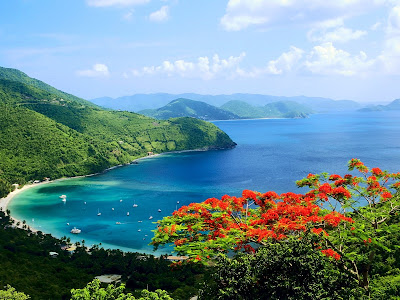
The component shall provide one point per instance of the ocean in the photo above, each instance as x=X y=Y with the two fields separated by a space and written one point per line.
x=271 y=155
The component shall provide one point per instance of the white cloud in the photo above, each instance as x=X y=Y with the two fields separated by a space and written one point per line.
x=98 y=70
x=325 y=59
x=340 y=35
x=241 y=14
x=390 y=56
x=160 y=15
x=104 y=3
x=204 y=68
x=285 y=62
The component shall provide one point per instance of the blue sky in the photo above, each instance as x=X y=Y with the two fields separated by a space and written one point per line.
x=342 y=49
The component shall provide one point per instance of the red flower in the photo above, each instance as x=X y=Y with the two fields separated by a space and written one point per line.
x=331 y=253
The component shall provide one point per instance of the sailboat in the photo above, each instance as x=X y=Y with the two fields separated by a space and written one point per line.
x=134 y=204
x=98 y=212
x=151 y=217
x=127 y=213
x=75 y=230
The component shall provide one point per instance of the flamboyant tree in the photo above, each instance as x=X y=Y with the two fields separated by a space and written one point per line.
x=350 y=215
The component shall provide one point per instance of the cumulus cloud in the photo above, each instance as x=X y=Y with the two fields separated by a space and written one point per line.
x=98 y=70
x=104 y=3
x=325 y=59
x=390 y=56
x=205 y=68
x=160 y=15
x=241 y=14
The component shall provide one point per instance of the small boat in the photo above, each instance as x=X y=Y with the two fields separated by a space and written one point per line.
x=159 y=210
x=127 y=213
x=68 y=224
x=151 y=217
x=140 y=221
x=118 y=223
x=75 y=230
x=139 y=230
x=98 y=212
x=64 y=200
x=112 y=208
x=120 y=200
x=63 y=196
x=177 y=202
x=135 y=205
x=84 y=202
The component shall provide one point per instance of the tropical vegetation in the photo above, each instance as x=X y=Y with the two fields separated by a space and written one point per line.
x=46 y=133
x=345 y=228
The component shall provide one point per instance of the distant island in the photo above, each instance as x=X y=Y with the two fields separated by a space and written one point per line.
x=394 y=105
x=232 y=110
x=242 y=105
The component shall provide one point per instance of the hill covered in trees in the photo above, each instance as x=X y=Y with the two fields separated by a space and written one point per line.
x=47 y=133
x=189 y=108
x=280 y=109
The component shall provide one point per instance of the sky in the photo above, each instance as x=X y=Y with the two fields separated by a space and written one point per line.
x=340 y=49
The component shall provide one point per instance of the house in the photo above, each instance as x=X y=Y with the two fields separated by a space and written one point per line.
x=150 y=153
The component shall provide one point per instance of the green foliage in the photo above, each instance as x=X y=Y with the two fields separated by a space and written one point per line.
x=280 y=109
x=189 y=108
x=11 y=294
x=93 y=291
x=47 y=133
x=27 y=266
x=18 y=76
x=289 y=269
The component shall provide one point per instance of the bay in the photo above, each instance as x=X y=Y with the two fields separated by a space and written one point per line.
x=271 y=155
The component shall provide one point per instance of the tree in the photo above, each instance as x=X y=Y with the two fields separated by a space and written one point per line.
x=93 y=291
x=11 y=294
x=289 y=269
x=349 y=233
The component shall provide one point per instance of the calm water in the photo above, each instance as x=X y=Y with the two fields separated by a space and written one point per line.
x=271 y=155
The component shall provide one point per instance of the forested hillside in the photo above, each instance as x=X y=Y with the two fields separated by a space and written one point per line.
x=280 y=109
x=189 y=108
x=46 y=135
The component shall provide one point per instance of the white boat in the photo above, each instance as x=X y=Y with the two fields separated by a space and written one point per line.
x=64 y=200
x=120 y=200
x=63 y=196
x=75 y=230
x=127 y=213
x=112 y=208
x=118 y=223
x=98 y=212
x=159 y=210
x=140 y=221
x=151 y=217
x=135 y=205
x=139 y=229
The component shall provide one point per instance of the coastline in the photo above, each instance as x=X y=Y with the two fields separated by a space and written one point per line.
x=5 y=202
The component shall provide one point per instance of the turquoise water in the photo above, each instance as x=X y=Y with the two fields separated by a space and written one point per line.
x=271 y=155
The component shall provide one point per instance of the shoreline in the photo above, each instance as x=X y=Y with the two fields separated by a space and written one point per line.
x=5 y=202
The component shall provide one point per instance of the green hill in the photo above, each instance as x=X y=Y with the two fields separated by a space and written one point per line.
x=46 y=135
x=189 y=108
x=280 y=109
x=394 y=105
x=18 y=76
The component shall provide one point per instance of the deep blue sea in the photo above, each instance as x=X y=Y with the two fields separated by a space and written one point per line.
x=271 y=155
